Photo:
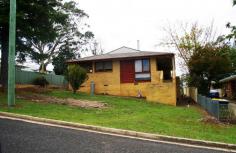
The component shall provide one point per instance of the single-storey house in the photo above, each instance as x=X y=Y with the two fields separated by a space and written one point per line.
x=130 y=72
x=229 y=86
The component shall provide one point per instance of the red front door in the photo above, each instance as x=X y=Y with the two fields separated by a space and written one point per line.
x=127 y=71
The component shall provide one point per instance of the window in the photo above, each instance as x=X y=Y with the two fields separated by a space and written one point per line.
x=107 y=65
x=103 y=66
x=165 y=64
x=138 y=66
x=99 y=66
x=146 y=66
x=142 y=76
x=142 y=69
x=88 y=66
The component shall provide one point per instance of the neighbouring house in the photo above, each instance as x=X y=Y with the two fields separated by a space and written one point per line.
x=129 y=72
x=229 y=86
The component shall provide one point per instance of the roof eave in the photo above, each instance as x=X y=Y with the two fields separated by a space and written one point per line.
x=228 y=79
x=119 y=58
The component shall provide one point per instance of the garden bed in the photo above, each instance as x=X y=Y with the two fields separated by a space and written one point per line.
x=68 y=101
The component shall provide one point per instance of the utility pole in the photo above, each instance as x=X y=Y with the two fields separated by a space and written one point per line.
x=11 y=54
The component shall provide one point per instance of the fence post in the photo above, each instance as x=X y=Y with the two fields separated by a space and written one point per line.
x=218 y=110
x=200 y=100
x=197 y=98
x=204 y=102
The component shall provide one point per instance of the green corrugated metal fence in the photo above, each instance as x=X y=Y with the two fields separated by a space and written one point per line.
x=216 y=108
x=26 y=77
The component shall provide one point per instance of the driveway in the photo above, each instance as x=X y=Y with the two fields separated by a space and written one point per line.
x=23 y=137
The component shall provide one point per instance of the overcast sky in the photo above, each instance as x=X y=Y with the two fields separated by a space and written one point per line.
x=122 y=22
x=117 y=23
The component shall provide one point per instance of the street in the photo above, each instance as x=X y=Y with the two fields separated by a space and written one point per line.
x=23 y=137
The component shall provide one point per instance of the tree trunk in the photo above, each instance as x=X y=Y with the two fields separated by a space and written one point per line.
x=4 y=58
x=43 y=68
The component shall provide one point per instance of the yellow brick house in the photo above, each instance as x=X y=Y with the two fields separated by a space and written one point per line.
x=130 y=72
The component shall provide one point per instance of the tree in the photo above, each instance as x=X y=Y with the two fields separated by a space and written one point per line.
x=95 y=47
x=70 y=35
x=187 y=38
x=231 y=39
x=232 y=56
x=232 y=34
x=35 y=19
x=59 y=62
x=206 y=57
x=76 y=76
x=207 y=64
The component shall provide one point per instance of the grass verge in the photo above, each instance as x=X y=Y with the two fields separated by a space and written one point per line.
x=131 y=114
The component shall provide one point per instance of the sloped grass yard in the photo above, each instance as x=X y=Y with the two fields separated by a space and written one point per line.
x=129 y=113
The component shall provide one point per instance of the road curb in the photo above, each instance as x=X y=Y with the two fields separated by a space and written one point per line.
x=125 y=132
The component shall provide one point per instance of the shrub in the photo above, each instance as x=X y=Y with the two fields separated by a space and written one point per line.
x=41 y=81
x=76 y=76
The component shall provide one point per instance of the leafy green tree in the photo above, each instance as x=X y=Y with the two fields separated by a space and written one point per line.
x=207 y=64
x=232 y=34
x=231 y=40
x=232 y=56
x=35 y=20
x=76 y=76
x=59 y=62
x=70 y=35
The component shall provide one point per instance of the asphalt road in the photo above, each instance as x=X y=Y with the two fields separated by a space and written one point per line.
x=22 y=137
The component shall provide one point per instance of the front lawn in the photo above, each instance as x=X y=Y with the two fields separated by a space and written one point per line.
x=129 y=113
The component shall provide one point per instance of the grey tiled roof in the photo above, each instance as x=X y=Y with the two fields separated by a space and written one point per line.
x=120 y=56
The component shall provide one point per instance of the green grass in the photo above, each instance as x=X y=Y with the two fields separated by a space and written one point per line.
x=131 y=114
